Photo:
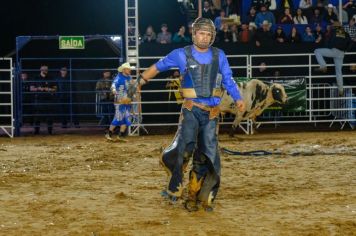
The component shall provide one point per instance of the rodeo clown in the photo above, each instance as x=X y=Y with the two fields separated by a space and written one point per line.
x=121 y=87
x=205 y=71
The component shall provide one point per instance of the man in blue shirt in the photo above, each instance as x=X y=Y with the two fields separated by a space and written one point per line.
x=205 y=71
x=119 y=88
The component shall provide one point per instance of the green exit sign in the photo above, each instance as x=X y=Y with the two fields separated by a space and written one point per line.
x=71 y=42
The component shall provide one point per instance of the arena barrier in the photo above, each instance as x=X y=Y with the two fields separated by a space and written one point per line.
x=79 y=104
x=322 y=104
x=6 y=97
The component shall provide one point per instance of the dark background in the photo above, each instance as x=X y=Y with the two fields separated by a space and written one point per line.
x=79 y=17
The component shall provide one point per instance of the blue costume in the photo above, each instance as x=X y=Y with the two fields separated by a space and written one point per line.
x=120 y=87
x=205 y=74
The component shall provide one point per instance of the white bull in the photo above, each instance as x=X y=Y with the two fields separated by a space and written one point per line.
x=257 y=97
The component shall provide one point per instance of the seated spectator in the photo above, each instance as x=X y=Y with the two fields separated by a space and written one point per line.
x=208 y=11
x=294 y=36
x=279 y=35
x=321 y=6
x=180 y=37
x=150 y=35
x=350 y=8
x=234 y=33
x=319 y=35
x=164 y=36
x=218 y=20
x=256 y=4
x=330 y=17
x=286 y=18
x=244 y=34
x=351 y=29
x=308 y=35
x=264 y=36
x=316 y=18
x=229 y=8
x=262 y=71
x=300 y=18
x=305 y=4
x=251 y=17
x=224 y=34
x=286 y=4
x=263 y=16
x=328 y=33
x=252 y=28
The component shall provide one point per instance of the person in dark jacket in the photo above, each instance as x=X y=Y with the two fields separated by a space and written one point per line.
x=335 y=48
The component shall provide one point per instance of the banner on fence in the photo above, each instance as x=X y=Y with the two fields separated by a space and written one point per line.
x=295 y=88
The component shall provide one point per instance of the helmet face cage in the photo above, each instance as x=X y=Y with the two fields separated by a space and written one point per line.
x=206 y=25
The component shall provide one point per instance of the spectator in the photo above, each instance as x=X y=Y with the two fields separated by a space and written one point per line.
x=308 y=35
x=300 y=18
x=335 y=48
x=319 y=35
x=164 y=37
x=262 y=71
x=350 y=8
x=218 y=20
x=330 y=17
x=305 y=4
x=316 y=18
x=27 y=99
x=351 y=29
x=251 y=17
x=321 y=6
x=286 y=18
x=63 y=95
x=279 y=35
x=263 y=16
x=256 y=4
x=180 y=37
x=328 y=33
x=229 y=8
x=234 y=33
x=45 y=88
x=105 y=97
x=208 y=11
x=150 y=35
x=263 y=36
x=224 y=34
x=252 y=28
x=294 y=36
x=244 y=34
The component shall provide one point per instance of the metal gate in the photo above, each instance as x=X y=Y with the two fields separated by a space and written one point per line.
x=6 y=95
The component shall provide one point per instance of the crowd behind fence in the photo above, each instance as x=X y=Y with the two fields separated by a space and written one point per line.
x=158 y=105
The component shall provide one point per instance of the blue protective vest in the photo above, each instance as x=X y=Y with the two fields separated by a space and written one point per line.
x=201 y=80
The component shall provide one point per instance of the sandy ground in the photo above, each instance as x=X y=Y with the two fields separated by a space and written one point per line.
x=84 y=185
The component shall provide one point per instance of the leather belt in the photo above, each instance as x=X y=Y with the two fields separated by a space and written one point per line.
x=213 y=111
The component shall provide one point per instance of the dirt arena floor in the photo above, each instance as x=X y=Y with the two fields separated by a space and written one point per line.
x=84 y=185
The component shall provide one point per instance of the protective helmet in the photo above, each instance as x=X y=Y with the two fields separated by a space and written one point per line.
x=206 y=25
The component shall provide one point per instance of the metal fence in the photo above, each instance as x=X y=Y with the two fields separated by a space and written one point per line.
x=156 y=105
x=323 y=104
x=6 y=97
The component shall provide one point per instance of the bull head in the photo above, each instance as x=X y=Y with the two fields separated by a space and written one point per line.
x=279 y=94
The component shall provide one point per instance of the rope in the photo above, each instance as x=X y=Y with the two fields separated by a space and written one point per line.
x=250 y=153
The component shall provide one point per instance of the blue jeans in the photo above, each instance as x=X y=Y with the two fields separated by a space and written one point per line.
x=338 y=57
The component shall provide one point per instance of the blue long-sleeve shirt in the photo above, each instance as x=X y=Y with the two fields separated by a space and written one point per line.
x=268 y=16
x=177 y=58
x=120 y=85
